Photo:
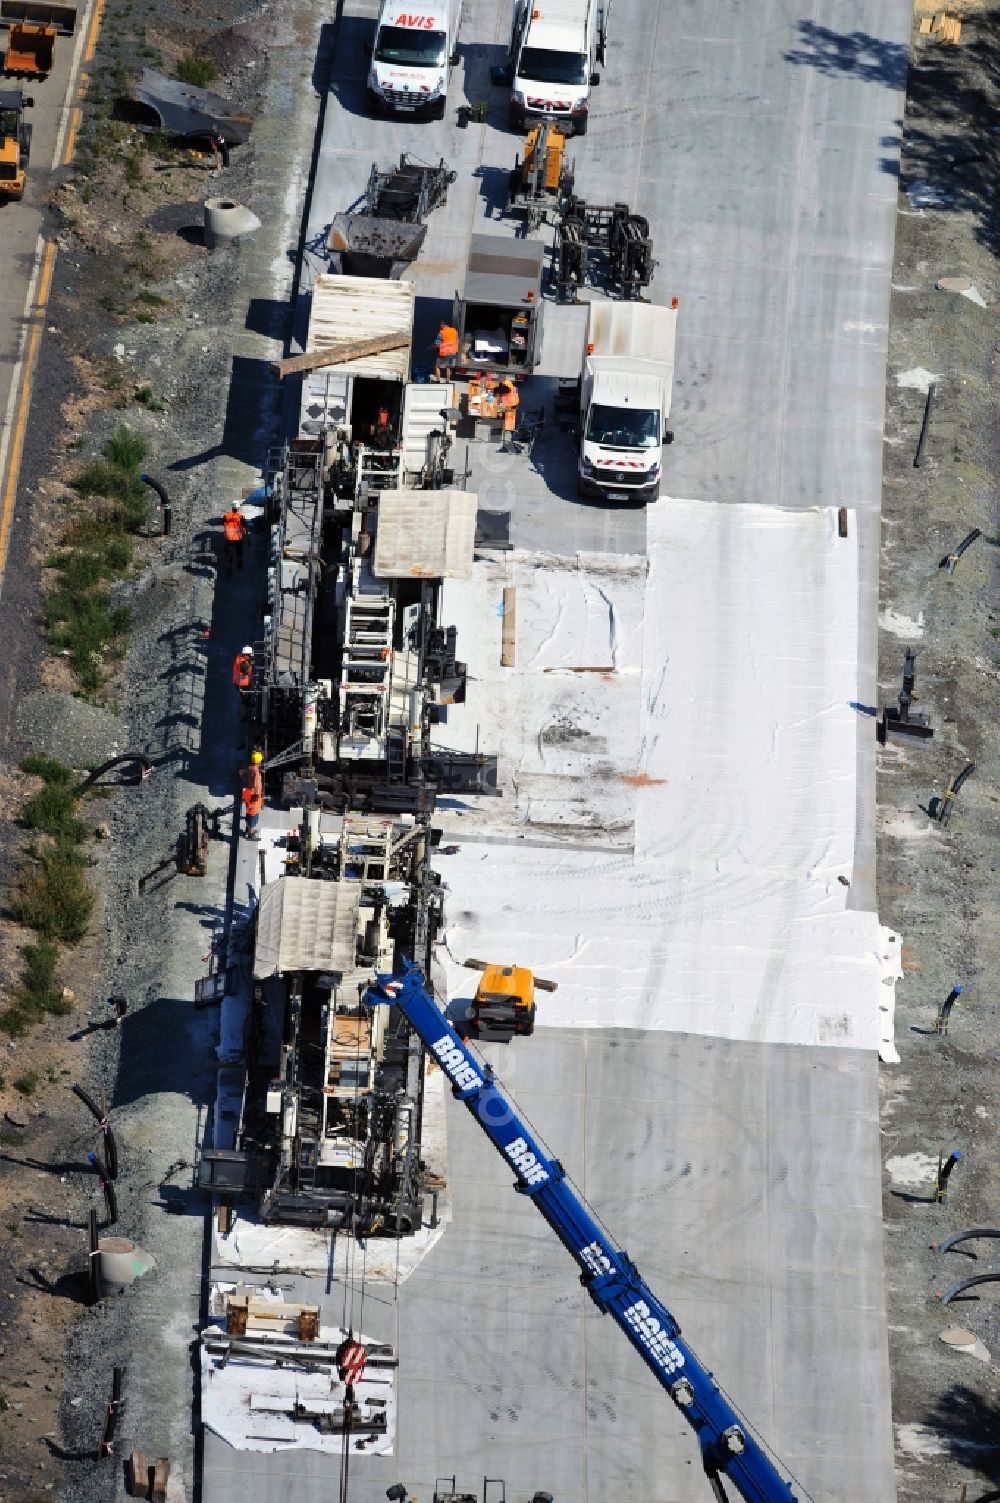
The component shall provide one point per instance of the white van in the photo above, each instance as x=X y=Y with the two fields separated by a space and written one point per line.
x=415 y=49
x=554 y=50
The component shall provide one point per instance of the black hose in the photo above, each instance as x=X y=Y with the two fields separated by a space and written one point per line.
x=110 y=1198
x=110 y=1146
x=963 y=1284
x=925 y=426
x=166 y=505
x=93 y=1258
x=951 y=559
x=145 y=768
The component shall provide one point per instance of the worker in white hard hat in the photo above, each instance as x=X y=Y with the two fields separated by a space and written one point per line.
x=234 y=529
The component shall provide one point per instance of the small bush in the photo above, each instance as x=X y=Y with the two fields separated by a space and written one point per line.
x=53 y=810
x=36 y=993
x=196 y=71
x=85 y=627
x=27 y=1084
x=46 y=768
x=125 y=450
x=54 y=898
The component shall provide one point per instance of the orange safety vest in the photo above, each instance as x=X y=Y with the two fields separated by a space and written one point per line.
x=253 y=801
x=447 y=341
x=234 y=526
x=242 y=670
x=509 y=396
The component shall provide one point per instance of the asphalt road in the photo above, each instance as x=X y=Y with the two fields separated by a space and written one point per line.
x=744 y=1178
x=21 y=223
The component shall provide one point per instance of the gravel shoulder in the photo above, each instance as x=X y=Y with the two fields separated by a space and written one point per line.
x=937 y=885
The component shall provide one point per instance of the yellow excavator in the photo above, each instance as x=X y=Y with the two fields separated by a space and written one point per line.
x=504 y=1005
x=15 y=143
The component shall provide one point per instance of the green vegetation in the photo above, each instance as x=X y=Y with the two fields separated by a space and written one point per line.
x=53 y=897
x=52 y=810
x=196 y=71
x=81 y=619
x=27 y=1084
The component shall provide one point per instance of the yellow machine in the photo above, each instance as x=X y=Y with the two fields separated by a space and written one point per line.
x=504 y=1004
x=33 y=28
x=544 y=179
x=15 y=143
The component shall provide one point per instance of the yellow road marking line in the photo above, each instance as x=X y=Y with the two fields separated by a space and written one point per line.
x=95 y=22
x=74 y=126
x=24 y=403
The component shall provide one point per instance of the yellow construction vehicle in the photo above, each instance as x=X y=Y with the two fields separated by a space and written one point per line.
x=544 y=179
x=15 y=142
x=34 y=26
x=504 y=1004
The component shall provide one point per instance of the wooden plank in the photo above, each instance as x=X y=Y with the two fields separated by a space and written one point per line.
x=337 y=354
x=161 y=1476
x=508 y=642
x=138 y=1475
x=925 y=26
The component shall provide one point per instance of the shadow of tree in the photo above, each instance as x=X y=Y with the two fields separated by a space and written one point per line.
x=950 y=148
x=872 y=59
x=970 y=1426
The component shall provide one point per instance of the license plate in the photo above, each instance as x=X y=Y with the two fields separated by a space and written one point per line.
x=616 y=495
x=406 y=109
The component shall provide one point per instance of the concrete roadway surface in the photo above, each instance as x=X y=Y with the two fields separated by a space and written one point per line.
x=761 y=141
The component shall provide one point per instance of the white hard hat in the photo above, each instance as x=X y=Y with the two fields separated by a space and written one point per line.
x=249 y=650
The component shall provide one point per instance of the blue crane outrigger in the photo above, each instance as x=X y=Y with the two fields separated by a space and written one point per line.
x=607 y=1273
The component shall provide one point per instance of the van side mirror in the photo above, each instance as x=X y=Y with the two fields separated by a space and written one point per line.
x=595 y=79
x=668 y=436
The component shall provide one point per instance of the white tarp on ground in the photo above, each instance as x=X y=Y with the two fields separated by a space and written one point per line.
x=730 y=915
x=280 y=1406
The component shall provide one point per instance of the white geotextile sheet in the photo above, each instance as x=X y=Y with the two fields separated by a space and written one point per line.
x=729 y=917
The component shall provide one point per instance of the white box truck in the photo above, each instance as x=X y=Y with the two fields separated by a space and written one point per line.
x=415 y=49
x=625 y=392
x=555 y=47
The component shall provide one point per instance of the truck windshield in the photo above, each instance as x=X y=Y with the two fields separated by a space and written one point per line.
x=623 y=428
x=415 y=49
x=543 y=65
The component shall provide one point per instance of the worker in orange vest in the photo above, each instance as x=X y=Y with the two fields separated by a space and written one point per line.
x=234 y=529
x=243 y=676
x=243 y=668
x=510 y=402
x=446 y=344
x=253 y=794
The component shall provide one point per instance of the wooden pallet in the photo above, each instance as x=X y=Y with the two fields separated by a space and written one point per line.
x=942 y=26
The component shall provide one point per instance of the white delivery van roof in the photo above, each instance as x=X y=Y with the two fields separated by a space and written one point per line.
x=557 y=38
x=416 y=15
x=347 y=308
x=570 y=13
x=639 y=386
x=643 y=331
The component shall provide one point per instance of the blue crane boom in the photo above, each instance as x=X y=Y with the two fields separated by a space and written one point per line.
x=608 y=1274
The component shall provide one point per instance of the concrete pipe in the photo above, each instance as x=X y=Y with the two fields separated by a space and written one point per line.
x=227 y=220
x=121 y=1263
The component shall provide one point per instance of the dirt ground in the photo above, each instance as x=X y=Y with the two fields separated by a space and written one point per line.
x=937 y=885
x=130 y=280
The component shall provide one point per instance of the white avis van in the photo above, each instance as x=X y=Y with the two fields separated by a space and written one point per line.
x=415 y=48
x=554 y=50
